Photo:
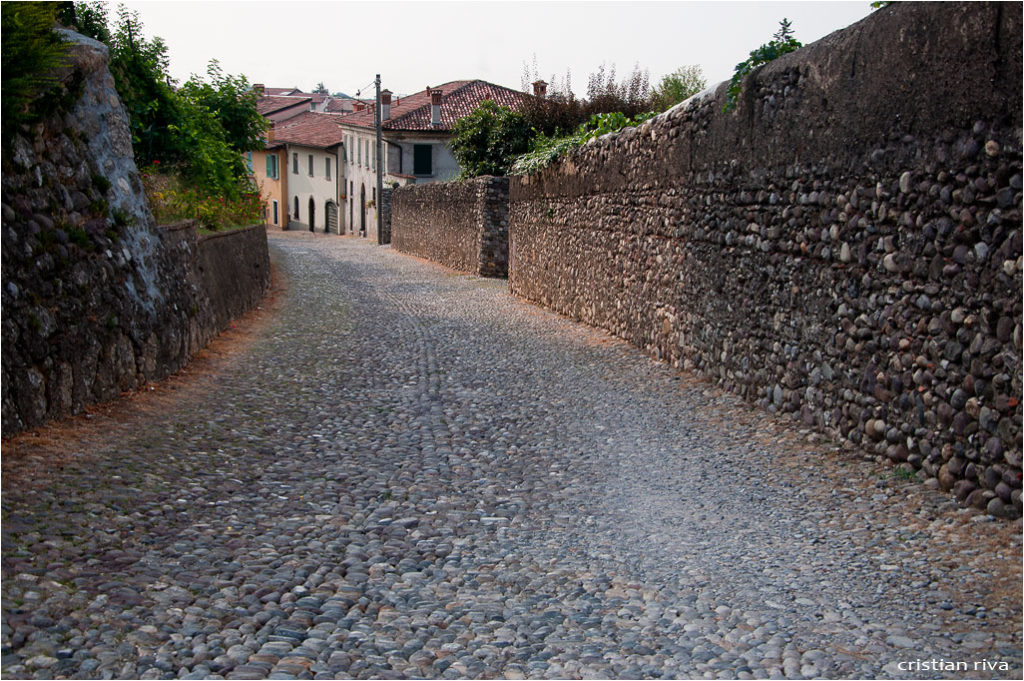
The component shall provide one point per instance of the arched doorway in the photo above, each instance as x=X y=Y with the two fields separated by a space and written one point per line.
x=362 y=210
x=312 y=214
x=331 y=218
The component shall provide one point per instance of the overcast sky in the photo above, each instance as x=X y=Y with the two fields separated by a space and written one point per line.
x=415 y=44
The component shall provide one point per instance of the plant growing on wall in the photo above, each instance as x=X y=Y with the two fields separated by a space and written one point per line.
x=32 y=52
x=547 y=149
x=783 y=42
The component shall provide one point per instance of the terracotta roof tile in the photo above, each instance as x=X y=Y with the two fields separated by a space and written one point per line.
x=459 y=98
x=268 y=105
x=310 y=129
x=275 y=91
x=339 y=106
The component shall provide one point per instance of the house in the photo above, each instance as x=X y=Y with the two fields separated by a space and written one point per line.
x=415 y=131
x=298 y=172
x=278 y=104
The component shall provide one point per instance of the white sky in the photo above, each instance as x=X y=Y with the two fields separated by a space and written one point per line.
x=415 y=44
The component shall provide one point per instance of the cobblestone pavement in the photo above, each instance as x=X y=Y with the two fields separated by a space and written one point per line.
x=410 y=473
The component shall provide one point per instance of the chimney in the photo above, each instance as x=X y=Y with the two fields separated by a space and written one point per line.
x=435 y=107
x=358 y=106
x=270 y=133
x=385 y=105
x=258 y=89
x=540 y=89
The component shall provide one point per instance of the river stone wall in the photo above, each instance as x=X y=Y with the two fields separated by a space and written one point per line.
x=97 y=299
x=844 y=246
x=462 y=225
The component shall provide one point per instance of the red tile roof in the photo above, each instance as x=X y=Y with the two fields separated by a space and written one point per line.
x=459 y=99
x=275 y=91
x=339 y=105
x=309 y=129
x=269 y=105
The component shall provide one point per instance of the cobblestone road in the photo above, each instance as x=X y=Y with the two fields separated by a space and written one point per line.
x=411 y=474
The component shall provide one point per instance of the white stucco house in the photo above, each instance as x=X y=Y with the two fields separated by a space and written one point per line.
x=309 y=144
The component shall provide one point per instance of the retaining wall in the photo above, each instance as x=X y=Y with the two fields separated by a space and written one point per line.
x=845 y=246
x=96 y=298
x=462 y=225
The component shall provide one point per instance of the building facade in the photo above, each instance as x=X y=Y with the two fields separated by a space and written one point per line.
x=415 y=131
x=299 y=175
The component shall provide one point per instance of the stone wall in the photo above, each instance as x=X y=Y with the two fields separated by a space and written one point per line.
x=96 y=298
x=385 y=215
x=844 y=247
x=462 y=225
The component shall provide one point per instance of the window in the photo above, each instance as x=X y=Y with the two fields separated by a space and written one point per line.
x=422 y=159
x=274 y=202
x=327 y=168
x=296 y=216
x=272 y=171
x=311 y=165
x=248 y=160
x=295 y=164
x=359 y=142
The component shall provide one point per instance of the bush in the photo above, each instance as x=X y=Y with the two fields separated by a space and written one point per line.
x=172 y=199
x=561 y=113
x=486 y=141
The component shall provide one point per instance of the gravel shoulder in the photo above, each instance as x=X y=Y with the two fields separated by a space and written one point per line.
x=401 y=471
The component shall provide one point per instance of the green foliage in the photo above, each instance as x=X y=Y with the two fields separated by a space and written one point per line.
x=560 y=113
x=171 y=199
x=605 y=95
x=139 y=67
x=233 y=103
x=101 y=183
x=782 y=43
x=676 y=87
x=879 y=4
x=198 y=131
x=486 y=141
x=547 y=149
x=88 y=18
x=79 y=237
x=31 y=53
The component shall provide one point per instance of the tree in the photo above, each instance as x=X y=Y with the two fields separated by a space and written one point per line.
x=140 y=70
x=605 y=95
x=232 y=102
x=87 y=18
x=198 y=130
x=487 y=141
x=321 y=89
x=676 y=87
